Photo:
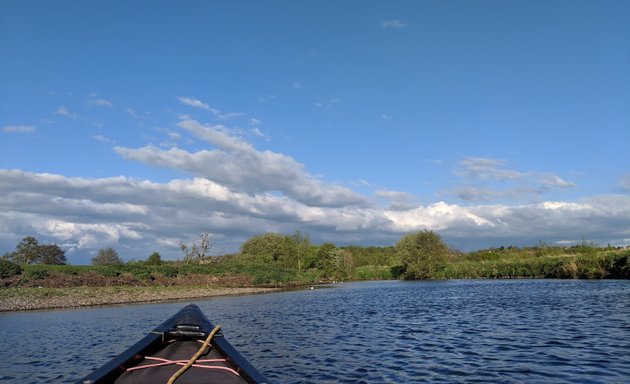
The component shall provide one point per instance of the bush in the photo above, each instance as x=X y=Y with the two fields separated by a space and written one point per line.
x=37 y=274
x=166 y=270
x=141 y=274
x=373 y=272
x=618 y=266
x=70 y=270
x=9 y=268
x=107 y=271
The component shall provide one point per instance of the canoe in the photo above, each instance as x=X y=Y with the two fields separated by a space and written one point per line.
x=170 y=347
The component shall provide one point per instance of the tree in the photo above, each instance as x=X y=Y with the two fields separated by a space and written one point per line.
x=267 y=248
x=301 y=245
x=107 y=256
x=52 y=255
x=345 y=264
x=197 y=251
x=27 y=251
x=154 y=259
x=325 y=259
x=422 y=254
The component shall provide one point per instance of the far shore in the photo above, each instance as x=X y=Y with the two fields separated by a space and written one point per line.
x=26 y=299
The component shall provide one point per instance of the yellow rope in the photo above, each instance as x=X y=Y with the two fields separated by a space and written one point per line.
x=195 y=356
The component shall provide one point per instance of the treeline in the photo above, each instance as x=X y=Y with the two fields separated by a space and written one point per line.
x=277 y=259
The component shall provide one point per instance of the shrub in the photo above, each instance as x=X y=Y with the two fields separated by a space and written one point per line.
x=107 y=271
x=141 y=274
x=617 y=266
x=165 y=270
x=37 y=274
x=9 y=268
x=70 y=270
x=373 y=272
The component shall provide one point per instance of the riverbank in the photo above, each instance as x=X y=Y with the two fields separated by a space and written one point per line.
x=29 y=298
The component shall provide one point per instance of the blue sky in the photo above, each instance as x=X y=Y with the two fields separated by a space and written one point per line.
x=139 y=125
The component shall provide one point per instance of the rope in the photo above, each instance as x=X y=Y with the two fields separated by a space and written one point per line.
x=195 y=356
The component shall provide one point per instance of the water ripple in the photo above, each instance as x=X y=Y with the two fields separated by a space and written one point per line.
x=523 y=331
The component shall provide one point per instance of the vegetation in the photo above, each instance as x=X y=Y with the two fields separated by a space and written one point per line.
x=276 y=260
x=29 y=251
x=197 y=251
x=9 y=268
x=154 y=259
x=422 y=255
x=107 y=256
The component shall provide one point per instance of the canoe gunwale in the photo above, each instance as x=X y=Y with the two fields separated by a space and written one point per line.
x=188 y=322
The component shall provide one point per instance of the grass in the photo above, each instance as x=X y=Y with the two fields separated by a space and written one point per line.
x=587 y=265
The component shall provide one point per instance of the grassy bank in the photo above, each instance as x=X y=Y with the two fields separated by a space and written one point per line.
x=535 y=263
x=513 y=263
x=25 y=287
x=225 y=273
x=29 y=298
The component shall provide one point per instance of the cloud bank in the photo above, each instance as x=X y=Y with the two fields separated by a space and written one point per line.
x=139 y=216
x=235 y=191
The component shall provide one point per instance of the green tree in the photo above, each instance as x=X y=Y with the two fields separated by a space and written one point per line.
x=343 y=264
x=154 y=259
x=422 y=254
x=267 y=248
x=107 y=256
x=300 y=246
x=325 y=259
x=52 y=255
x=27 y=251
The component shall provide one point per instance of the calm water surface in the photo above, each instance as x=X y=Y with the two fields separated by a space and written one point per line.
x=516 y=331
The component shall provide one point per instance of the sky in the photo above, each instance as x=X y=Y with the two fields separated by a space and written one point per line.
x=140 y=125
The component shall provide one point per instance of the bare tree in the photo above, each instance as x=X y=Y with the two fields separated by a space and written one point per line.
x=197 y=251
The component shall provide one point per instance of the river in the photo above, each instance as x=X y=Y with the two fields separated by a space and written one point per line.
x=456 y=331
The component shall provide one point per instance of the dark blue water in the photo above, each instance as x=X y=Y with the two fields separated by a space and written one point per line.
x=518 y=331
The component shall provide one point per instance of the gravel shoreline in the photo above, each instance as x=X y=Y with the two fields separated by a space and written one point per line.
x=26 y=299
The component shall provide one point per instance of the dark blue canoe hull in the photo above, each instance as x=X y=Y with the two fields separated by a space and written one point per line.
x=186 y=326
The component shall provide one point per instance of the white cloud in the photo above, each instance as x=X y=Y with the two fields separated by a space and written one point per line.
x=101 y=103
x=398 y=200
x=192 y=102
x=393 y=23
x=237 y=164
x=19 y=129
x=297 y=86
x=487 y=179
x=63 y=111
x=103 y=139
x=253 y=121
x=196 y=103
x=258 y=133
x=328 y=104
x=140 y=216
x=131 y=112
x=486 y=169
x=264 y=99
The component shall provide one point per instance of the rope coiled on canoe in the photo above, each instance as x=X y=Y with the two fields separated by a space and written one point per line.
x=195 y=356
